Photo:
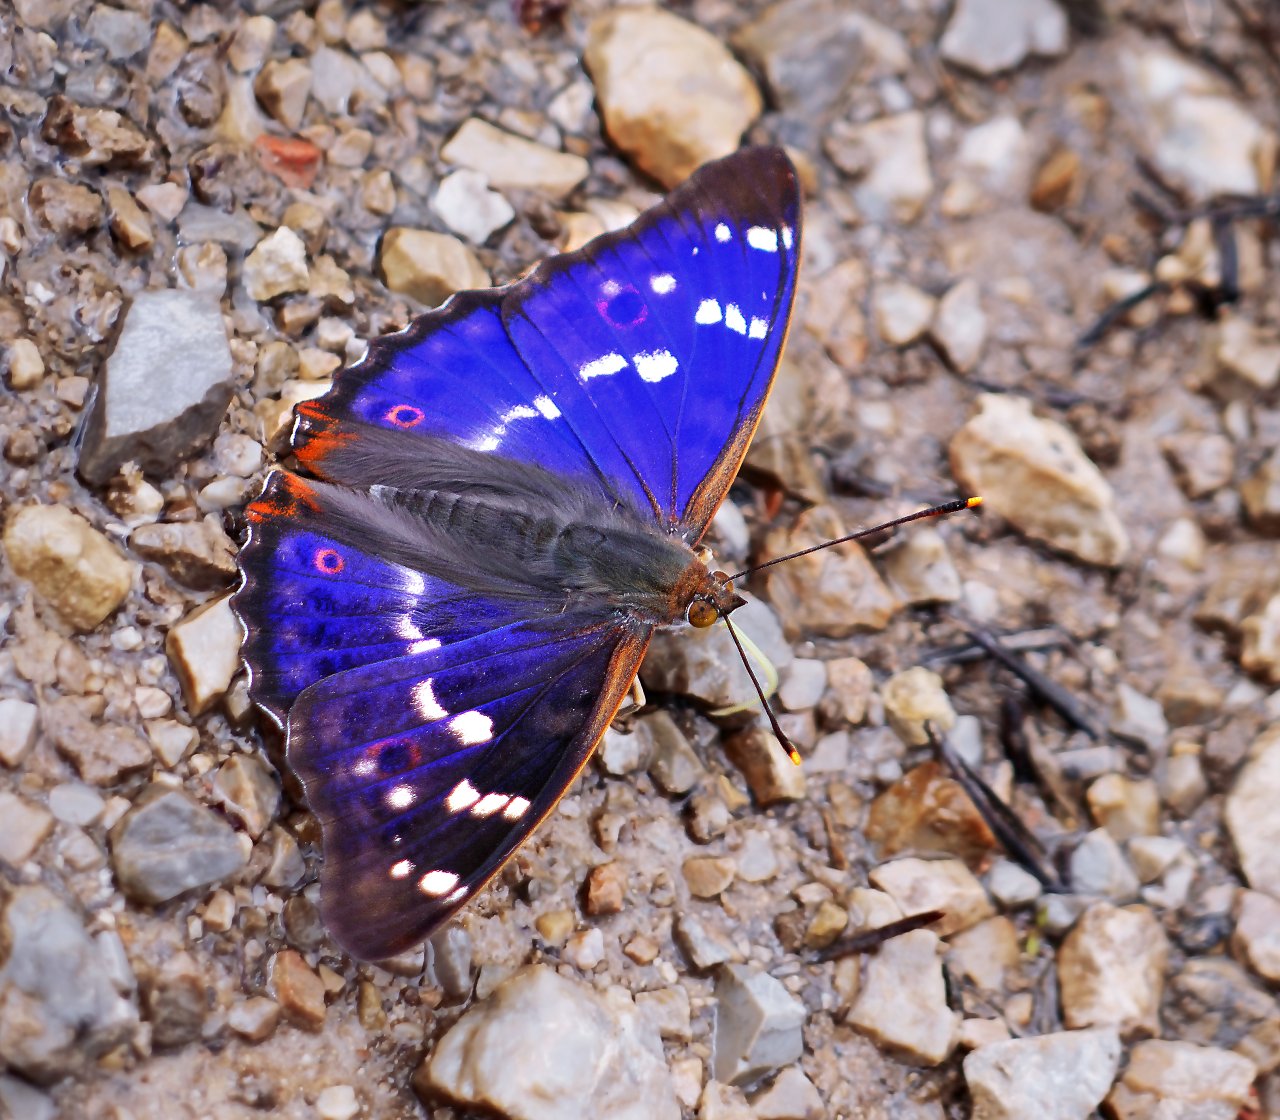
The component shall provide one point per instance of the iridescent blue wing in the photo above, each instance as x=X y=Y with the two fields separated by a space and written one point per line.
x=659 y=343
x=638 y=365
x=428 y=771
x=432 y=728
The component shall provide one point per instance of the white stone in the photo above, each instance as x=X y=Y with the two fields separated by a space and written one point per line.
x=1061 y=1076
x=278 y=264
x=465 y=204
x=902 y=1003
x=337 y=1102
x=19 y=720
x=1251 y=817
x=1111 y=969
x=758 y=1025
x=989 y=36
x=204 y=649
x=948 y=885
x=542 y=1047
x=902 y=312
x=898 y=181
x=511 y=162
x=26 y=366
x=959 y=328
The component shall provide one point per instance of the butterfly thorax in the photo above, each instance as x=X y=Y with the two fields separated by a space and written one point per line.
x=579 y=554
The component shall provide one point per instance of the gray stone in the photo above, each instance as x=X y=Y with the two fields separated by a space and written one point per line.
x=703 y=948
x=198 y=554
x=903 y=1000
x=581 y=1053
x=810 y=51
x=102 y=753
x=169 y=843
x=1140 y=719
x=959 y=329
x=21 y=1101
x=232 y=229
x=1011 y=886
x=58 y=1008
x=990 y=36
x=337 y=79
x=1099 y=867
x=76 y=804
x=19 y=721
x=175 y=1001
x=164 y=389
x=123 y=33
x=792 y=1096
x=452 y=960
x=673 y=764
x=758 y=1027
x=1061 y=1076
x=26 y=827
x=898 y=179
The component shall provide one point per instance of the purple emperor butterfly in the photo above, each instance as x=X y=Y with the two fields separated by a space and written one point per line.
x=502 y=504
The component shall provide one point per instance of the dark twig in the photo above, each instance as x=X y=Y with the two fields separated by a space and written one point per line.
x=1015 y=838
x=873 y=938
x=1052 y=693
x=1117 y=311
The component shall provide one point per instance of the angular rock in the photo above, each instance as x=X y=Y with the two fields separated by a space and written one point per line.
x=1099 y=867
x=1250 y=817
x=810 y=51
x=920 y=569
x=511 y=162
x=25 y=365
x=913 y=698
x=927 y=813
x=102 y=753
x=581 y=1053
x=198 y=554
x=851 y=685
x=792 y=1096
x=1111 y=970
x=1196 y=136
x=255 y=1018
x=917 y=885
x=175 y=1002
x=164 y=389
x=986 y=953
x=428 y=266
x=59 y=1010
x=277 y=265
x=959 y=329
x=1256 y=937
x=204 y=650
x=769 y=770
x=26 y=827
x=123 y=33
x=903 y=1000
x=65 y=208
x=1246 y=360
x=169 y=843
x=1182 y=1081
x=991 y=36
x=19 y=721
x=1033 y=473
x=704 y=948
x=469 y=208
x=833 y=593
x=283 y=87
x=1061 y=1076
x=248 y=790
x=670 y=94
x=1261 y=495
x=299 y=990
x=708 y=876
x=898 y=181
x=1213 y=1002
x=1125 y=807
x=758 y=1025
x=902 y=312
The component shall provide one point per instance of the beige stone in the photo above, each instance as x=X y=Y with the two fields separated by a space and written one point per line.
x=26 y=366
x=75 y=567
x=509 y=161
x=428 y=266
x=204 y=650
x=671 y=95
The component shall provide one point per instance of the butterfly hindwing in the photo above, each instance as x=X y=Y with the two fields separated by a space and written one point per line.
x=427 y=772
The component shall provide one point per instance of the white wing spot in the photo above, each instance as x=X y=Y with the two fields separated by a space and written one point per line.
x=489 y=443
x=763 y=238
x=547 y=407
x=457 y=896
x=489 y=804
x=402 y=869
x=759 y=328
x=363 y=768
x=401 y=797
x=462 y=796
x=516 y=808
x=437 y=883
x=425 y=645
x=407 y=629
x=520 y=412
x=602 y=366
x=424 y=699
x=655 y=365
x=708 y=312
x=471 y=728
x=786 y=237
x=723 y=233
x=733 y=319
x=610 y=288
x=413 y=583
x=663 y=283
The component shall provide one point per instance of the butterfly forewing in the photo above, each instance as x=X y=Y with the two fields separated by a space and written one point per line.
x=439 y=702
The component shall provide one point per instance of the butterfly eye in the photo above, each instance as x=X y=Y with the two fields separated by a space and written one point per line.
x=702 y=614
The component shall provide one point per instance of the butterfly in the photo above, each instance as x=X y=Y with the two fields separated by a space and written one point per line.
x=500 y=505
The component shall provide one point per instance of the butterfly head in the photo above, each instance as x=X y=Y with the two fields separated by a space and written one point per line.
x=714 y=600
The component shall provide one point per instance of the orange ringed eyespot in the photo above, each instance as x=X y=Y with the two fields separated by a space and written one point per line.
x=329 y=562
x=404 y=416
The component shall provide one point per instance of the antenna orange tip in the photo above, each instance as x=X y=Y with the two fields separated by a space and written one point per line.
x=973 y=503
x=795 y=755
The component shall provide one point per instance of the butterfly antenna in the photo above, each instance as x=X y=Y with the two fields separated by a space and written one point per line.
x=957 y=506
x=764 y=703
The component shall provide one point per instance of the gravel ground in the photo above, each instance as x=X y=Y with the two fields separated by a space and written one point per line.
x=207 y=209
